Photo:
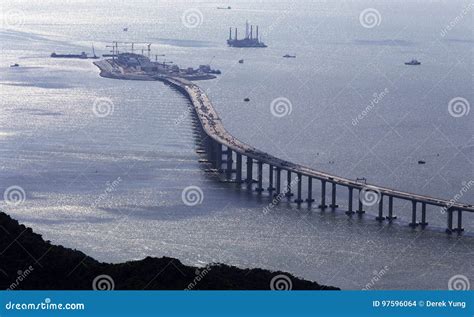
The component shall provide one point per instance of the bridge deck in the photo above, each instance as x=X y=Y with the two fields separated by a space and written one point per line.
x=214 y=128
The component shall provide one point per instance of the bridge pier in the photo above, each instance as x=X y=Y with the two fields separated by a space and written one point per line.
x=210 y=153
x=380 y=216
x=238 y=172
x=459 y=229
x=390 y=209
x=333 y=204
x=449 y=229
x=205 y=146
x=349 y=208
x=259 y=188
x=229 y=164
x=288 y=184
x=360 y=209
x=218 y=154
x=249 y=179
x=310 y=199
x=270 y=179
x=323 y=195
x=298 y=200
x=423 y=222
x=278 y=182
x=413 y=222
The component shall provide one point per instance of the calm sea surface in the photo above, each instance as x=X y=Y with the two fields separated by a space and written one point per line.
x=111 y=186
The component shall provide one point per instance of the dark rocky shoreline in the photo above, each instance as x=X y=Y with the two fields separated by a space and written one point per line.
x=27 y=262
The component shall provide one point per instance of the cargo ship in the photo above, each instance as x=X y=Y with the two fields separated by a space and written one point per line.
x=83 y=55
x=248 y=41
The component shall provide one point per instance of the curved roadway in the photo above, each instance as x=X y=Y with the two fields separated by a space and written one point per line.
x=214 y=128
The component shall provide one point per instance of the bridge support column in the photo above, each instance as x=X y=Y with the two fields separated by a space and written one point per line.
x=310 y=199
x=278 y=182
x=249 y=179
x=229 y=164
x=423 y=222
x=323 y=195
x=238 y=174
x=260 y=177
x=333 y=204
x=390 y=209
x=459 y=229
x=270 y=179
x=349 y=208
x=288 y=185
x=218 y=148
x=449 y=229
x=413 y=222
x=210 y=153
x=380 y=216
x=360 y=209
x=298 y=200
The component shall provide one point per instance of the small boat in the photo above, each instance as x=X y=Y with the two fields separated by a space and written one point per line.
x=247 y=99
x=421 y=162
x=15 y=65
x=224 y=8
x=125 y=29
x=241 y=61
x=289 y=56
x=413 y=62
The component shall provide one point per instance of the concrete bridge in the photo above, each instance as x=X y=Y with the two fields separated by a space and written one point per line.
x=215 y=138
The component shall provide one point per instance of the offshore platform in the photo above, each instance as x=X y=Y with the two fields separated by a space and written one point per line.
x=248 y=41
